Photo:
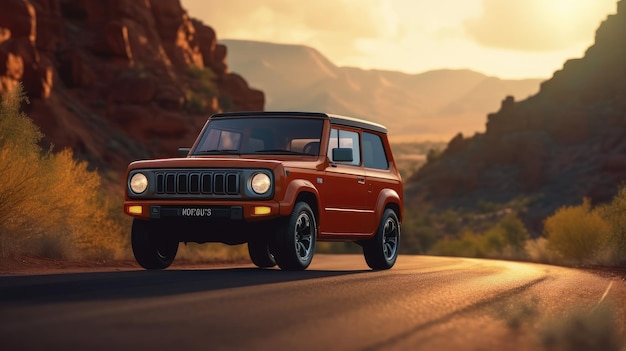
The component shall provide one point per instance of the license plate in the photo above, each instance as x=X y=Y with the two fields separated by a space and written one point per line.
x=195 y=212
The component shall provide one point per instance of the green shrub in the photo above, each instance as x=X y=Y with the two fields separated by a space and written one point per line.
x=418 y=231
x=196 y=103
x=537 y=250
x=492 y=242
x=203 y=90
x=504 y=239
x=467 y=245
x=514 y=233
x=615 y=214
x=578 y=233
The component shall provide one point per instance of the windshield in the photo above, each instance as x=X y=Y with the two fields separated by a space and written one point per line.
x=260 y=135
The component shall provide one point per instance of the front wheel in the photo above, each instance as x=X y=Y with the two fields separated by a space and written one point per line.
x=381 y=252
x=260 y=253
x=294 y=244
x=152 y=248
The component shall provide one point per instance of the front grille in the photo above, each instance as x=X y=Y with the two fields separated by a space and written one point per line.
x=178 y=182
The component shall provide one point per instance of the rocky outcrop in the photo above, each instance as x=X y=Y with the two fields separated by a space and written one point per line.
x=562 y=144
x=117 y=80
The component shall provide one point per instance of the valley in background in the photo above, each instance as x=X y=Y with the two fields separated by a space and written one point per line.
x=430 y=106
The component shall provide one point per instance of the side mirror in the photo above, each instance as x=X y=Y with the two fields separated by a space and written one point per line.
x=342 y=155
x=183 y=151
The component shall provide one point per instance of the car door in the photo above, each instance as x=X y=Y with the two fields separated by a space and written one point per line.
x=377 y=171
x=344 y=191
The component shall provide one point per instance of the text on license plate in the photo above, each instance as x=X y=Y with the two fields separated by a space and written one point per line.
x=196 y=212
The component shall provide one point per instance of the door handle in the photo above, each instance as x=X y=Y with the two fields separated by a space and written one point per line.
x=361 y=180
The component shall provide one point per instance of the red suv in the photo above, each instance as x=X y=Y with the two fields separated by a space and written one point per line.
x=279 y=181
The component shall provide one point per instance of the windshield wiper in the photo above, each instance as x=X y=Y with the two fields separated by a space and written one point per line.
x=279 y=152
x=219 y=151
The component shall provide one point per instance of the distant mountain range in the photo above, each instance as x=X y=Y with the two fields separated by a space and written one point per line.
x=433 y=105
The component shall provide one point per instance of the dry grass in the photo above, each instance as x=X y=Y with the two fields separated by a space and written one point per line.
x=51 y=205
x=576 y=329
x=583 y=330
x=213 y=252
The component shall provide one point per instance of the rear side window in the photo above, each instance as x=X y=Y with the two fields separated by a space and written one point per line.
x=345 y=139
x=374 y=152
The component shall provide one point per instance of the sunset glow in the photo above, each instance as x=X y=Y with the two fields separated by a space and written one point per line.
x=564 y=12
x=505 y=38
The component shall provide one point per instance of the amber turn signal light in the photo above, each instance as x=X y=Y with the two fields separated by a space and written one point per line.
x=134 y=210
x=262 y=210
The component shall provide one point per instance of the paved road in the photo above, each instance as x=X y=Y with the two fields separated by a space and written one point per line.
x=423 y=303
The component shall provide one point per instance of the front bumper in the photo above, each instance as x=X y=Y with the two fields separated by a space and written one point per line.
x=197 y=210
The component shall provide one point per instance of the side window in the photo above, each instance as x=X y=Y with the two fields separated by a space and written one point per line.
x=374 y=152
x=345 y=139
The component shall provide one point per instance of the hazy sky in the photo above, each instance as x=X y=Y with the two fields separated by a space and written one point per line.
x=504 y=38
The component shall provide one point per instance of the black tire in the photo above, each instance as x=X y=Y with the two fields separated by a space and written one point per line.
x=294 y=244
x=152 y=248
x=381 y=252
x=260 y=253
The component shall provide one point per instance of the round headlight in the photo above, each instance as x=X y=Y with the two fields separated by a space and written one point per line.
x=138 y=183
x=261 y=183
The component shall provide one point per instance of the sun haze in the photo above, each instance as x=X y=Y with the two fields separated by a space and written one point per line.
x=537 y=25
x=504 y=38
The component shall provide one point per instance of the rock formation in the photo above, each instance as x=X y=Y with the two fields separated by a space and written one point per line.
x=556 y=147
x=117 y=80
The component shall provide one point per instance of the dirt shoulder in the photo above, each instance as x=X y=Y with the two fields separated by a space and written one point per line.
x=609 y=272
x=27 y=265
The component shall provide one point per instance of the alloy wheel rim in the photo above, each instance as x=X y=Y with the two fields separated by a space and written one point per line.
x=304 y=232
x=390 y=238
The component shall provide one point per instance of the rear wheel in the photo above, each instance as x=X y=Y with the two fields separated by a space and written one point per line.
x=294 y=244
x=153 y=249
x=260 y=254
x=381 y=252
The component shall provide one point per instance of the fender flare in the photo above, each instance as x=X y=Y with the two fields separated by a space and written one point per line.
x=295 y=188
x=386 y=197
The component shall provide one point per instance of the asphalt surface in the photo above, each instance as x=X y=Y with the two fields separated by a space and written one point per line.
x=423 y=303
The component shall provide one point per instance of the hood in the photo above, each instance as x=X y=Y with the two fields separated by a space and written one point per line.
x=225 y=162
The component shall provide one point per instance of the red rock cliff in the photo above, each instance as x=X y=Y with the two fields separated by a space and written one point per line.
x=117 y=80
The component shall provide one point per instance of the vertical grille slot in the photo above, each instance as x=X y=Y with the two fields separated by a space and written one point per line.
x=170 y=183
x=181 y=181
x=207 y=183
x=219 y=187
x=194 y=183
x=160 y=186
x=232 y=184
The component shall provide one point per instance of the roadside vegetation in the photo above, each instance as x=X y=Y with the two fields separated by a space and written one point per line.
x=54 y=206
x=583 y=329
x=202 y=96
x=50 y=204
x=577 y=328
x=574 y=235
